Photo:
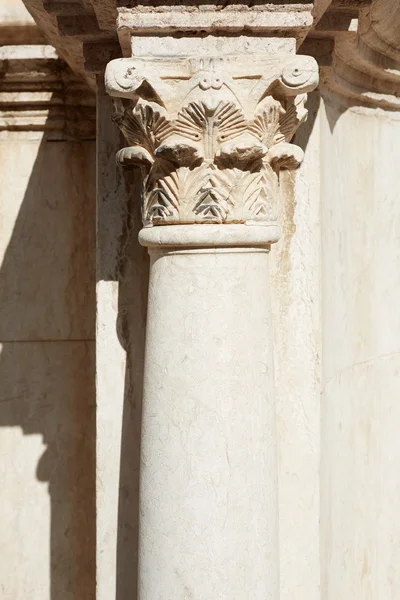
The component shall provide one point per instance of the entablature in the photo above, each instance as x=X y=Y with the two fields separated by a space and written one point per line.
x=356 y=42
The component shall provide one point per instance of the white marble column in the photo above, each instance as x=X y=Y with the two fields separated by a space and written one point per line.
x=210 y=136
x=208 y=465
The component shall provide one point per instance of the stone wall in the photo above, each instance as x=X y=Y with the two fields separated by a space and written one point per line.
x=47 y=324
x=47 y=201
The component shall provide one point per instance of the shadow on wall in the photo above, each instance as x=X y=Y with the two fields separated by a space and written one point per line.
x=47 y=312
x=122 y=261
x=304 y=132
x=333 y=111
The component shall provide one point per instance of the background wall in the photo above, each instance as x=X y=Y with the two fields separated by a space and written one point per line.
x=47 y=399
x=360 y=452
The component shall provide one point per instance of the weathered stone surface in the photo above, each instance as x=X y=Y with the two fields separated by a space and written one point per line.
x=169 y=45
x=197 y=17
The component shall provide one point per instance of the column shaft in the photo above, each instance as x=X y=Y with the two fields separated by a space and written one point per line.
x=208 y=524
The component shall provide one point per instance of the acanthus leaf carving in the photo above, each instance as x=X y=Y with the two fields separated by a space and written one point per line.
x=208 y=158
x=144 y=125
x=260 y=194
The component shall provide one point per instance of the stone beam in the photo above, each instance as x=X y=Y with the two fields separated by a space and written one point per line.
x=82 y=39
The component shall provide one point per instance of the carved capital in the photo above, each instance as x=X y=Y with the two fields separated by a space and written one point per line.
x=211 y=134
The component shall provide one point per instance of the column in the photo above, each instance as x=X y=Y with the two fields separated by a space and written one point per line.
x=210 y=136
x=360 y=450
x=360 y=221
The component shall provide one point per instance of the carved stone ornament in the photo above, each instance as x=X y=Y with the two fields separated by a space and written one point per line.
x=211 y=134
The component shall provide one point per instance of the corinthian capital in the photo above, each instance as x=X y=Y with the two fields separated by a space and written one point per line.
x=211 y=134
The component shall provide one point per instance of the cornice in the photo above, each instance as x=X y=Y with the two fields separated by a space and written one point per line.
x=38 y=92
x=363 y=65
